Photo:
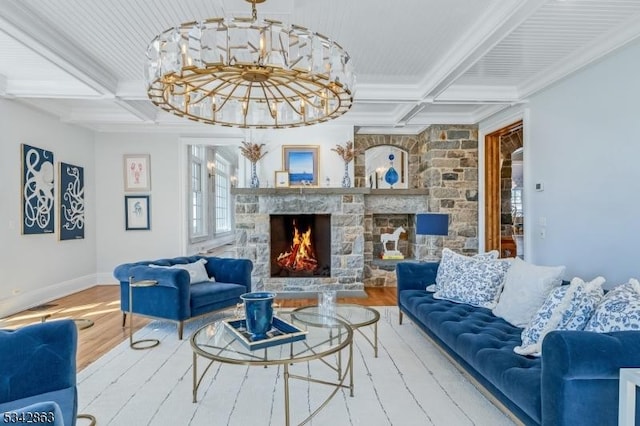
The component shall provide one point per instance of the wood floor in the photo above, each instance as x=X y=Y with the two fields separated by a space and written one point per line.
x=101 y=304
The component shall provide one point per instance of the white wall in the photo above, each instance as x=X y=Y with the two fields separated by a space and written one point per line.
x=115 y=245
x=40 y=267
x=582 y=141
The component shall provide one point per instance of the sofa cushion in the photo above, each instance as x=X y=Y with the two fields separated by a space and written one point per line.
x=490 y=255
x=619 y=310
x=470 y=280
x=207 y=293
x=566 y=308
x=197 y=271
x=526 y=287
x=65 y=399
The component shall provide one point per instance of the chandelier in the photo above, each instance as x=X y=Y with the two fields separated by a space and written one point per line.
x=250 y=73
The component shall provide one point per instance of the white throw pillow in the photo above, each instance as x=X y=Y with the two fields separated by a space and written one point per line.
x=197 y=271
x=619 y=310
x=526 y=287
x=568 y=307
x=469 y=280
x=490 y=255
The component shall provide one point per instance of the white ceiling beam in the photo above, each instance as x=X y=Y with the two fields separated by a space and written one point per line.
x=497 y=23
x=65 y=89
x=145 y=111
x=26 y=26
x=3 y=85
x=478 y=94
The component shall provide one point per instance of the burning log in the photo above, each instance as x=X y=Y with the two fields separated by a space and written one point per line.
x=301 y=256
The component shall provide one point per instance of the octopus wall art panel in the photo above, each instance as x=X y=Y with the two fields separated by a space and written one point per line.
x=71 y=202
x=37 y=191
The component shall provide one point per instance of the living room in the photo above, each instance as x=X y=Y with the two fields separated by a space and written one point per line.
x=579 y=128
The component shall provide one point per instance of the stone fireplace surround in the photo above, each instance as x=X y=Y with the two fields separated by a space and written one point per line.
x=443 y=177
x=352 y=211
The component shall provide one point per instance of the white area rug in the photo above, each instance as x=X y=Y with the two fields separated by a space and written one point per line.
x=410 y=383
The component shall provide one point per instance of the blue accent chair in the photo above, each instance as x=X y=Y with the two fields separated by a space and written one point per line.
x=38 y=374
x=175 y=297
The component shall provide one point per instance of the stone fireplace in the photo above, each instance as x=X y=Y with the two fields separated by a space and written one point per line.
x=345 y=226
x=442 y=177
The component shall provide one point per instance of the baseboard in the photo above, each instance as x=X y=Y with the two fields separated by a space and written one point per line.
x=314 y=294
x=46 y=293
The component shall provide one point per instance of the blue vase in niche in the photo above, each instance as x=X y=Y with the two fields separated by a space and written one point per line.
x=391 y=176
x=258 y=310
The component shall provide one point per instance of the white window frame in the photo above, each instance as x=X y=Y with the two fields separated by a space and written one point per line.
x=198 y=191
x=222 y=195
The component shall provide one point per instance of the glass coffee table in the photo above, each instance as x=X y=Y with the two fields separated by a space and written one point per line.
x=357 y=316
x=324 y=341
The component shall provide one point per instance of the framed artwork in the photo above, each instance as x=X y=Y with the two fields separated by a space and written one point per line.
x=281 y=179
x=37 y=190
x=136 y=210
x=71 y=201
x=301 y=162
x=137 y=172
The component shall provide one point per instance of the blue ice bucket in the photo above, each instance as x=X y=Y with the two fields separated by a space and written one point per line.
x=258 y=310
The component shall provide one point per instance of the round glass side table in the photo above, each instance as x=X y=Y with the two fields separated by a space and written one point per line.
x=142 y=343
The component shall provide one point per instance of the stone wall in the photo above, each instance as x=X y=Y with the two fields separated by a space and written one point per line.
x=508 y=144
x=449 y=172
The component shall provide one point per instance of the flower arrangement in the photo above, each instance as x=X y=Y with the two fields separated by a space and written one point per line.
x=252 y=151
x=346 y=152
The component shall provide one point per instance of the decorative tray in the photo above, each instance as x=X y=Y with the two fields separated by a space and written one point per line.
x=281 y=332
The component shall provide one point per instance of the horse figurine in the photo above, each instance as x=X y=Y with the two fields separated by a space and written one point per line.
x=385 y=238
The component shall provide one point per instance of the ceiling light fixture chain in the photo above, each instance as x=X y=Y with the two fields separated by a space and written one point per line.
x=249 y=72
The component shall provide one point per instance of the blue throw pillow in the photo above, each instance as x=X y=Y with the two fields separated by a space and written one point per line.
x=469 y=280
x=568 y=307
x=490 y=255
x=619 y=310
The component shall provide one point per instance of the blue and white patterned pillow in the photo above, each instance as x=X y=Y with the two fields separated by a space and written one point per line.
x=469 y=280
x=619 y=310
x=490 y=255
x=568 y=307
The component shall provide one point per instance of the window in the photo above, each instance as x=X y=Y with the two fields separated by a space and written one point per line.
x=198 y=192
x=222 y=195
x=211 y=170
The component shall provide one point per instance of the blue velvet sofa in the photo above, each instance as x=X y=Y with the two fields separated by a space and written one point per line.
x=575 y=382
x=38 y=374
x=175 y=297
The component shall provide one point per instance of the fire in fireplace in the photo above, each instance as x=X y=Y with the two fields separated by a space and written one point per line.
x=300 y=245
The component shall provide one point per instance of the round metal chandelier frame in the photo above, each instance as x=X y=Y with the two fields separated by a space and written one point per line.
x=249 y=73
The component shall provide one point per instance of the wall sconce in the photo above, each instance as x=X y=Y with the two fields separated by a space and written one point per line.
x=211 y=168
x=234 y=181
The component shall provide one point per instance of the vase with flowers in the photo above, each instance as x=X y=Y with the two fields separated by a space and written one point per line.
x=252 y=152
x=347 y=153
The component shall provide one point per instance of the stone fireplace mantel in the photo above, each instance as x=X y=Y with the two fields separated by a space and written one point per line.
x=352 y=211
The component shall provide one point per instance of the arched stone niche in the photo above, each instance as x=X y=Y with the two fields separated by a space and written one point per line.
x=407 y=143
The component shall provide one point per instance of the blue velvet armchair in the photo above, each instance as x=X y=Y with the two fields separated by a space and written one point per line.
x=175 y=297
x=38 y=374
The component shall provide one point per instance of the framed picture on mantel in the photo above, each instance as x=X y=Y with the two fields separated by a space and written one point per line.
x=302 y=164
x=281 y=179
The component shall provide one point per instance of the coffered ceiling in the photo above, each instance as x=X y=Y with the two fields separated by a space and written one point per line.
x=418 y=62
